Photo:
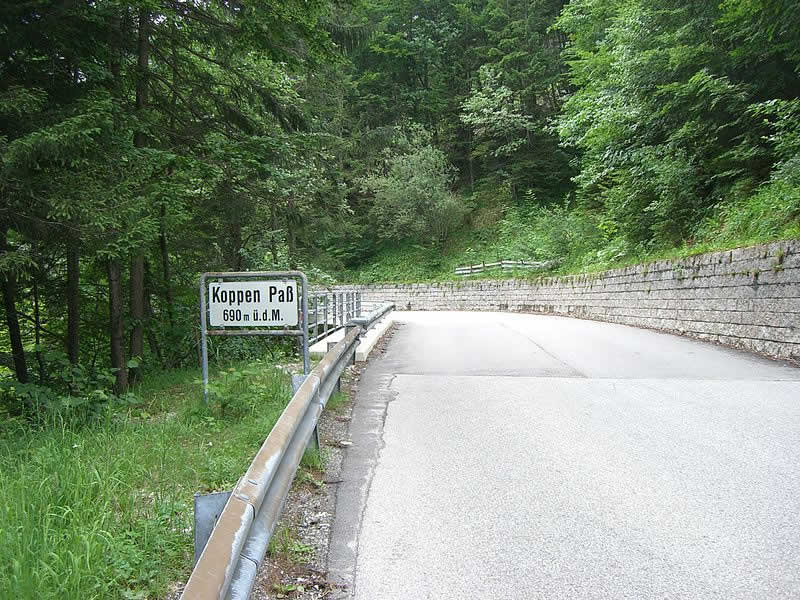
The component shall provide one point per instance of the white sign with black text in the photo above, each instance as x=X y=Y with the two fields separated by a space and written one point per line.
x=253 y=303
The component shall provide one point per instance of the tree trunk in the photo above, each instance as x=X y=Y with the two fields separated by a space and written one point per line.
x=234 y=246
x=139 y=140
x=471 y=164
x=291 y=242
x=143 y=74
x=273 y=239
x=9 y=285
x=73 y=301
x=162 y=234
x=151 y=336
x=115 y=60
x=148 y=315
x=162 y=244
x=37 y=332
x=12 y=321
x=117 y=326
x=137 y=311
x=291 y=247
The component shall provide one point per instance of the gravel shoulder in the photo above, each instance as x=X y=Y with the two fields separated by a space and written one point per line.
x=296 y=564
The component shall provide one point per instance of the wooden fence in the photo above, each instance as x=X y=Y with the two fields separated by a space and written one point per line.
x=505 y=264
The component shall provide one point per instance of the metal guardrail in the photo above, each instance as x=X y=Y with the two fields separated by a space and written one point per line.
x=367 y=321
x=229 y=563
x=331 y=311
x=505 y=264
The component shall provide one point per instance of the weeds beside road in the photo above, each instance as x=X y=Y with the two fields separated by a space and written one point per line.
x=104 y=509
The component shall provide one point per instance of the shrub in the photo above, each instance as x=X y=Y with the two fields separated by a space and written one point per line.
x=772 y=212
x=412 y=199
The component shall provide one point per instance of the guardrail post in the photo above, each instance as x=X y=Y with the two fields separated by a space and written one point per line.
x=304 y=339
x=338 y=386
x=325 y=316
x=316 y=316
x=313 y=441
x=348 y=328
x=207 y=509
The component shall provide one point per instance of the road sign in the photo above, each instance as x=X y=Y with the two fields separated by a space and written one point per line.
x=253 y=303
x=265 y=303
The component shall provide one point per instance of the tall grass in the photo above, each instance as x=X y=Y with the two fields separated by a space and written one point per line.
x=105 y=510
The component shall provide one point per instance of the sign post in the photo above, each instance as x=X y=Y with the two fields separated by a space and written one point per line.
x=253 y=303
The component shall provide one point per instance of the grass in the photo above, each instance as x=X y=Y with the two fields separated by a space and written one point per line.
x=313 y=460
x=312 y=465
x=104 y=510
x=285 y=544
x=336 y=401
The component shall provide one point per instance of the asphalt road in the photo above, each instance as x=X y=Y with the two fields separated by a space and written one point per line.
x=507 y=456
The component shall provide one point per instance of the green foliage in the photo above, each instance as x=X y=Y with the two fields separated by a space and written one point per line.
x=336 y=401
x=177 y=162
x=495 y=115
x=285 y=544
x=313 y=459
x=277 y=136
x=401 y=69
x=398 y=262
x=243 y=391
x=783 y=118
x=516 y=91
x=773 y=212
x=547 y=234
x=670 y=124
x=75 y=394
x=568 y=237
x=411 y=195
x=104 y=510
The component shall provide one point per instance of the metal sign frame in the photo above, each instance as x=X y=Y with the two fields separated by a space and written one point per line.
x=302 y=315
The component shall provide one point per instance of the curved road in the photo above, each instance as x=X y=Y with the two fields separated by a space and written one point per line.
x=502 y=455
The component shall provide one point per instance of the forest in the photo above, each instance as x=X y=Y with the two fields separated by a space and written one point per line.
x=144 y=142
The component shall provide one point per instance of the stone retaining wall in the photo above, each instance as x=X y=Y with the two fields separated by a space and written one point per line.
x=747 y=298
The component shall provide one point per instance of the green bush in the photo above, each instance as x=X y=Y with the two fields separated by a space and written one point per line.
x=237 y=392
x=73 y=393
x=412 y=199
x=554 y=233
x=772 y=212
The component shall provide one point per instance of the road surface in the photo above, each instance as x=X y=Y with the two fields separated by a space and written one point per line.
x=502 y=455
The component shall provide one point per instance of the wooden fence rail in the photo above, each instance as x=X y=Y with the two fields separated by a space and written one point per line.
x=505 y=264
